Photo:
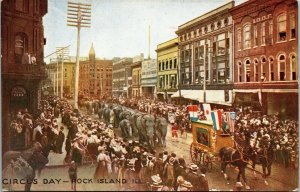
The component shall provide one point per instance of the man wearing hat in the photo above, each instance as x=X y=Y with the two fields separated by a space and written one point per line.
x=60 y=140
x=169 y=172
x=194 y=178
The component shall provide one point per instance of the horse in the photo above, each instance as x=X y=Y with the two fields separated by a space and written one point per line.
x=265 y=158
x=237 y=158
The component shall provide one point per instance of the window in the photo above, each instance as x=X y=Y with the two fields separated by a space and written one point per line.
x=255 y=36
x=256 y=70
x=175 y=63
x=170 y=64
x=263 y=33
x=247 y=36
x=219 y=24
x=263 y=69
x=294 y=67
x=281 y=27
x=248 y=71
x=221 y=44
x=163 y=66
x=281 y=65
x=167 y=65
x=212 y=26
x=239 y=39
x=270 y=32
x=240 y=71
x=19 y=5
x=293 y=26
x=226 y=21
x=205 y=29
x=21 y=47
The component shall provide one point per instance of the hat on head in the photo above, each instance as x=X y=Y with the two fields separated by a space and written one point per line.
x=156 y=179
x=171 y=160
x=187 y=184
x=131 y=163
x=194 y=167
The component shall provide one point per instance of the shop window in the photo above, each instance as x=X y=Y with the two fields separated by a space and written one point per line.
x=175 y=63
x=170 y=64
x=221 y=44
x=281 y=65
x=263 y=70
x=247 y=36
x=281 y=27
x=167 y=65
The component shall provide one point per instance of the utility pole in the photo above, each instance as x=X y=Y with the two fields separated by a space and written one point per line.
x=79 y=15
x=61 y=53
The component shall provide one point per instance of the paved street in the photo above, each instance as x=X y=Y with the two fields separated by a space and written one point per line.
x=281 y=178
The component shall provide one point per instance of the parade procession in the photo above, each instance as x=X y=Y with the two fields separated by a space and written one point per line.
x=212 y=107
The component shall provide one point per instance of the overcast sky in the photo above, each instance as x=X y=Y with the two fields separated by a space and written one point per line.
x=120 y=27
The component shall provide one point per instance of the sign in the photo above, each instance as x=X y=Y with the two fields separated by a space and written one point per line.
x=263 y=18
x=18 y=92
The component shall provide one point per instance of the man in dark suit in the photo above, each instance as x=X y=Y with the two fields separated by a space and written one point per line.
x=203 y=180
x=60 y=140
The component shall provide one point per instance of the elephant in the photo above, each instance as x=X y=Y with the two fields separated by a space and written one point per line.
x=133 y=119
x=126 y=128
x=161 y=128
x=95 y=106
x=124 y=115
x=145 y=125
x=109 y=115
x=117 y=110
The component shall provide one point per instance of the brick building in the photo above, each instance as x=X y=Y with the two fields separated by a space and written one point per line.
x=265 y=55
x=205 y=57
x=22 y=50
x=136 y=68
x=121 y=77
x=95 y=76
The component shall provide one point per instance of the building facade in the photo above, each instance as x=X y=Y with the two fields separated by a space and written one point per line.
x=23 y=67
x=148 y=78
x=68 y=77
x=136 y=68
x=95 y=77
x=205 y=55
x=265 y=55
x=121 y=77
x=167 y=68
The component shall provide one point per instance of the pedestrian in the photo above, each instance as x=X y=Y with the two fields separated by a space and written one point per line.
x=60 y=140
x=174 y=130
x=73 y=175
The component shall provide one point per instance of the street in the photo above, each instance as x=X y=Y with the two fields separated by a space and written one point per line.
x=55 y=176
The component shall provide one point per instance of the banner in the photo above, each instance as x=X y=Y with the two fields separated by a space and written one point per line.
x=193 y=111
x=230 y=119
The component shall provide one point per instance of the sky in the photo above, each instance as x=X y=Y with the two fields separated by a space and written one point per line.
x=119 y=28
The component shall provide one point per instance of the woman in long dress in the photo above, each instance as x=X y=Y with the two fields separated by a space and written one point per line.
x=101 y=170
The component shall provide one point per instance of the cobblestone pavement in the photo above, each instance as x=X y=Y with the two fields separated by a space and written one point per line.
x=282 y=179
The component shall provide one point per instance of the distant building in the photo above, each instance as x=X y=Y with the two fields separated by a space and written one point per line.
x=205 y=54
x=68 y=77
x=95 y=77
x=121 y=77
x=167 y=63
x=22 y=61
x=136 y=68
x=148 y=78
x=266 y=55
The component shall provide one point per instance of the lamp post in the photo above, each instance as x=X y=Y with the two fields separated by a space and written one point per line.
x=79 y=15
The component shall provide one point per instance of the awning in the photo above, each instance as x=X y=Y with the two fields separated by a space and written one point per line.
x=212 y=96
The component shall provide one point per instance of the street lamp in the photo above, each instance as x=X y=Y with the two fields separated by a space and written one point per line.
x=79 y=15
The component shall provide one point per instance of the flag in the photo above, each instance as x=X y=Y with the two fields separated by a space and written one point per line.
x=230 y=119
x=215 y=119
x=207 y=111
x=193 y=111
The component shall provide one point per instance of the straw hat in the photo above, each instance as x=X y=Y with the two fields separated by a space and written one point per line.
x=187 y=184
x=194 y=167
x=156 y=179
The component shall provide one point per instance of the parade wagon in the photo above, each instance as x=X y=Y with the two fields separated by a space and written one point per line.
x=207 y=143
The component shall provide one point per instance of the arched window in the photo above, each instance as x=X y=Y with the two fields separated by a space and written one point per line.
x=263 y=69
x=271 y=69
x=281 y=65
x=163 y=66
x=293 y=25
x=21 y=46
x=281 y=27
x=294 y=67
x=240 y=71
x=247 y=36
x=256 y=70
x=247 y=70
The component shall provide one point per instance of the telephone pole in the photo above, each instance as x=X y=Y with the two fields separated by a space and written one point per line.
x=79 y=15
x=61 y=53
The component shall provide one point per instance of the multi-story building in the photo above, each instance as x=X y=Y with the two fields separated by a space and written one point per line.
x=265 y=55
x=148 y=78
x=22 y=61
x=136 y=68
x=121 y=77
x=95 y=76
x=167 y=79
x=54 y=69
x=205 y=54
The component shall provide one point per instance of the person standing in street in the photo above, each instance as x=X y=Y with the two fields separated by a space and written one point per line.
x=60 y=140
x=73 y=175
